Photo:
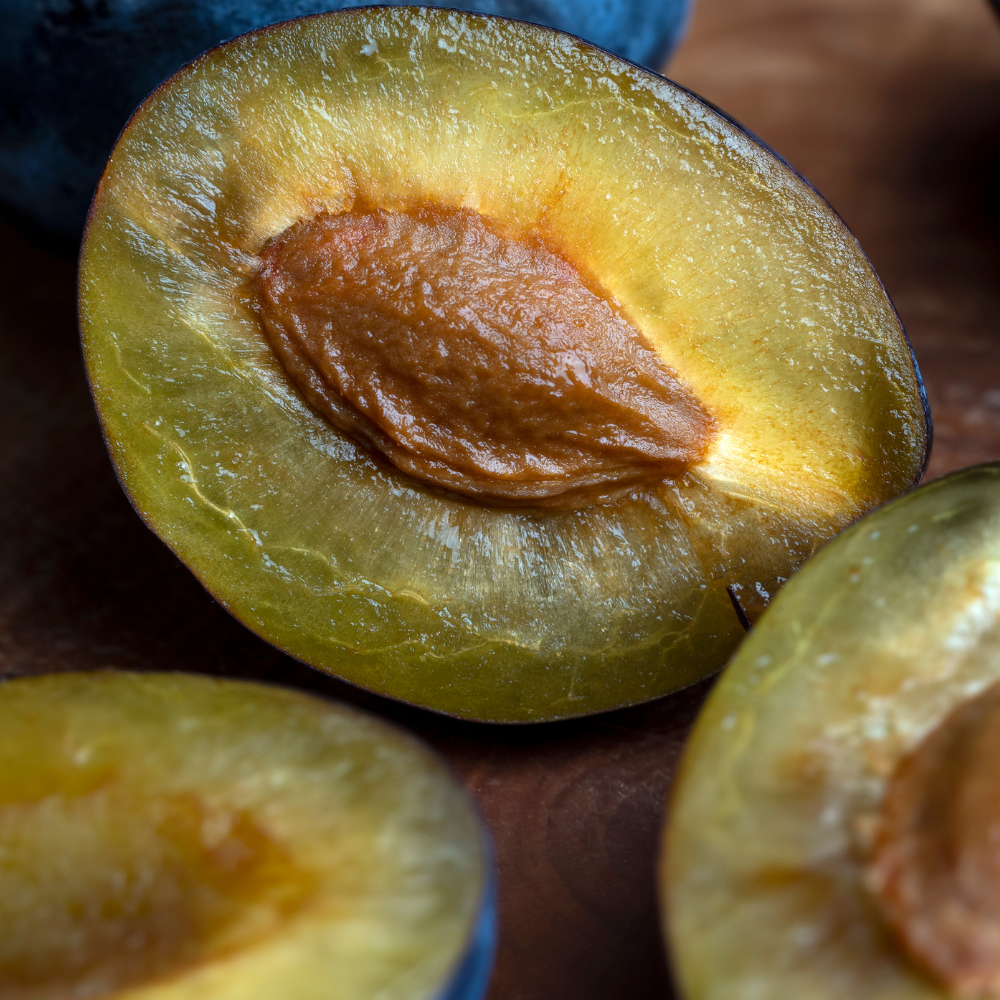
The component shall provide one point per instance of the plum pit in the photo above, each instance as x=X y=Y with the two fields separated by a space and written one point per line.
x=935 y=869
x=473 y=360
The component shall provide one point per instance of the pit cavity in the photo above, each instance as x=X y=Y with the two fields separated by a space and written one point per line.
x=107 y=890
x=473 y=360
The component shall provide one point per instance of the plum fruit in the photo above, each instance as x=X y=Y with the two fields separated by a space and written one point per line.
x=479 y=367
x=72 y=71
x=169 y=836
x=833 y=828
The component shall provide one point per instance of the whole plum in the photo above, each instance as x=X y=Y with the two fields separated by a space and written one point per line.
x=72 y=71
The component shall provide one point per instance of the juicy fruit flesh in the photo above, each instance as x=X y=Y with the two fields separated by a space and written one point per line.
x=166 y=836
x=472 y=360
x=935 y=869
x=737 y=275
x=99 y=892
x=775 y=815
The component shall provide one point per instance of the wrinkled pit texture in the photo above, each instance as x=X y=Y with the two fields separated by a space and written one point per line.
x=935 y=871
x=105 y=890
x=472 y=360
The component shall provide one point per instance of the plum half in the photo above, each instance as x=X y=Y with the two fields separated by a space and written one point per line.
x=479 y=367
x=72 y=73
x=833 y=829
x=165 y=837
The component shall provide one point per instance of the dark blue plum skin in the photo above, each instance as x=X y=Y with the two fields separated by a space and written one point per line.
x=73 y=71
x=472 y=977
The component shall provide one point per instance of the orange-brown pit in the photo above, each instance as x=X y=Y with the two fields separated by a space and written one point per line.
x=471 y=360
x=935 y=870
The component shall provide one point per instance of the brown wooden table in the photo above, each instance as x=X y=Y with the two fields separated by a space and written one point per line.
x=892 y=108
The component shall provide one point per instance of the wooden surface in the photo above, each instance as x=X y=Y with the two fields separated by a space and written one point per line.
x=892 y=108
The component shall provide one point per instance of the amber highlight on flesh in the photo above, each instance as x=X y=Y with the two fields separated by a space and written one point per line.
x=103 y=891
x=935 y=868
x=472 y=360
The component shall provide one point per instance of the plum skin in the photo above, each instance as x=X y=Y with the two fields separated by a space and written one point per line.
x=72 y=71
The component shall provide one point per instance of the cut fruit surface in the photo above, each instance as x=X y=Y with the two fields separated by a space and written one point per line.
x=832 y=833
x=169 y=836
x=739 y=391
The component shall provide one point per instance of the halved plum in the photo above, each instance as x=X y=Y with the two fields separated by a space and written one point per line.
x=169 y=836
x=479 y=367
x=833 y=830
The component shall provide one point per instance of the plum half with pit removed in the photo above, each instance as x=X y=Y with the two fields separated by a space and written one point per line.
x=171 y=837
